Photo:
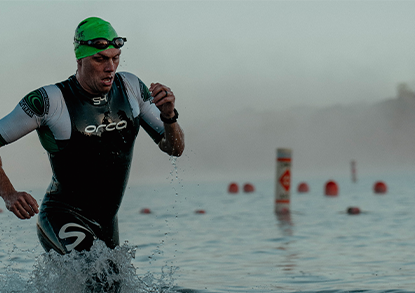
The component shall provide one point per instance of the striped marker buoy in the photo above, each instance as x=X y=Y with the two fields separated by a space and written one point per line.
x=283 y=181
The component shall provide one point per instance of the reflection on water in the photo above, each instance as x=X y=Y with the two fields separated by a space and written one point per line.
x=284 y=222
x=286 y=226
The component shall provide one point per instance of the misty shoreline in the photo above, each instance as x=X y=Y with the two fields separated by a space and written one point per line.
x=377 y=136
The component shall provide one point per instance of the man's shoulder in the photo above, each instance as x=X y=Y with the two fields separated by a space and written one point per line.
x=37 y=102
x=134 y=82
x=126 y=74
x=131 y=78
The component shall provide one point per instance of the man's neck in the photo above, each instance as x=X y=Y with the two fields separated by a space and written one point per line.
x=78 y=79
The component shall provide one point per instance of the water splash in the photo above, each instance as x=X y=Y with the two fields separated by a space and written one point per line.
x=174 y=173
x=99 y=270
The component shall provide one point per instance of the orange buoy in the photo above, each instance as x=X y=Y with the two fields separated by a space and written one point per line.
x=353 y=210
x=248 y=187
x=380 y=187
x=145 y=211
x=302 y=187
x=200 y=212
x=331 y=188
x=233 y=188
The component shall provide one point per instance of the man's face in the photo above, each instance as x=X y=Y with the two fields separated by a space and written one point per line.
x=96 y=73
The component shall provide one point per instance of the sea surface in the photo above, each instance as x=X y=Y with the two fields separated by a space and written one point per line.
x=200 y=238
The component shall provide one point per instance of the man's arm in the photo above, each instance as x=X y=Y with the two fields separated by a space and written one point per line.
x=173 y=141
x=22 y=204
x=32 y=111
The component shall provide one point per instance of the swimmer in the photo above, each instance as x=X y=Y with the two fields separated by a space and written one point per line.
x=88 y=125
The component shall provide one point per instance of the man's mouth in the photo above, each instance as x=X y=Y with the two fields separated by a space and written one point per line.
x=108 y=80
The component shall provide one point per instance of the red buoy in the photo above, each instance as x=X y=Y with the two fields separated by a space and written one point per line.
x=248 y=187
x=200 y=212
x=233 y=188
x=302 y=187
x=145 y=211
x=353 y=210
x=331 y=188
x=380 y=187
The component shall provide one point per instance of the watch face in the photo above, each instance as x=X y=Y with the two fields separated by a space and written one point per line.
x=170 y=120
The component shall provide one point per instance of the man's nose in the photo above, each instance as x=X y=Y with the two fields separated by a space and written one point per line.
x=110 y=66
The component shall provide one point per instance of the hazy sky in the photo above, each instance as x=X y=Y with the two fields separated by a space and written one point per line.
x=222 y=57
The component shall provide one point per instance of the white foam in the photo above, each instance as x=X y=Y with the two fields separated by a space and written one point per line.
x=90 y=271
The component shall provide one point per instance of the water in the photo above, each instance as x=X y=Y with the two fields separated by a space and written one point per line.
x=238 y=244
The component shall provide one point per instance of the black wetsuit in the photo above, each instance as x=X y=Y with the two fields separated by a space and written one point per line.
x=91 y=166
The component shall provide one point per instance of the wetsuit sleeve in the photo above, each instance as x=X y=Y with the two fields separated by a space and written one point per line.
x=22 y=120
x=139 y=97
x=44 y=110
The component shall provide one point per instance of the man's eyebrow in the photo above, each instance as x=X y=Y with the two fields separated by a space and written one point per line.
x=101 y=55
x=105 y=56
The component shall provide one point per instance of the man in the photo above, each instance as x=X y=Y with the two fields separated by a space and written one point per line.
x=88 y=125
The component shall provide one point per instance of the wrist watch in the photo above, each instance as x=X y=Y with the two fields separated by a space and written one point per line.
x=170 y=120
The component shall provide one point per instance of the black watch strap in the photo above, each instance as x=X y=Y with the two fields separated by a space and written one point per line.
x=170 y=120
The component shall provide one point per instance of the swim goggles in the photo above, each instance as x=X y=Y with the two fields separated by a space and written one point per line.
x=102 y=43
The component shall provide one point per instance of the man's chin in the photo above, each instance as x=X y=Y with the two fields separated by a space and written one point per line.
x=104 y=91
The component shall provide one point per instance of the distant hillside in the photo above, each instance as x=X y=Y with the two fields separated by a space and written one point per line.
x=377 y=136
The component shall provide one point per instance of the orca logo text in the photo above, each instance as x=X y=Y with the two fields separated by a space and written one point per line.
x=106 y=127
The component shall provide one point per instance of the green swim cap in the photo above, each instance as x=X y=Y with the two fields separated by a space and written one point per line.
x=92 y=28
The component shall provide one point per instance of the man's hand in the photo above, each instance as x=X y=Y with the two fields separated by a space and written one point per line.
x=22 y=204
x=164 y=99
x=173 y=141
